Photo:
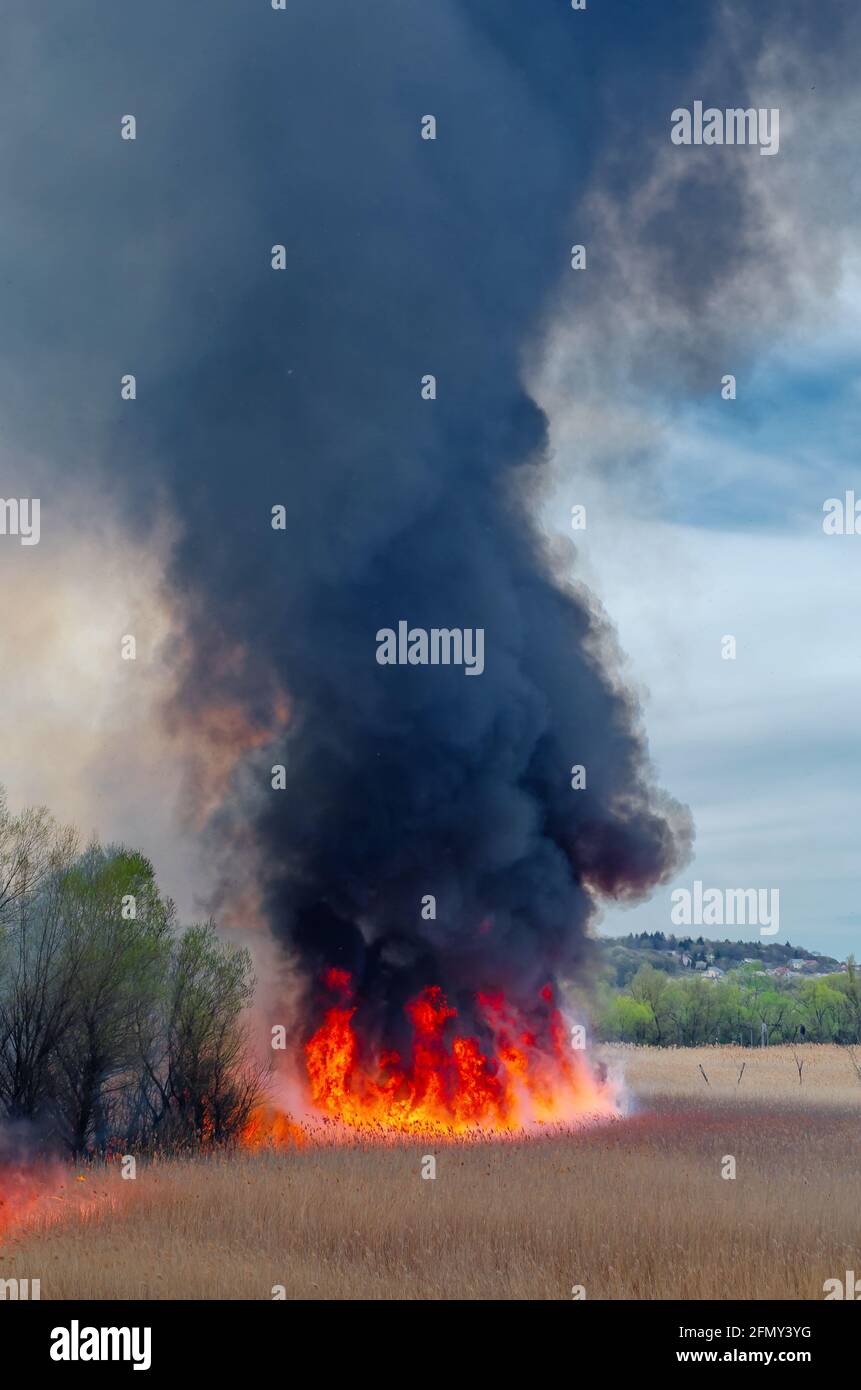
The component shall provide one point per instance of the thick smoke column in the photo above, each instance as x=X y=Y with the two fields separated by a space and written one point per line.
x=407 y=257
x=257 y=387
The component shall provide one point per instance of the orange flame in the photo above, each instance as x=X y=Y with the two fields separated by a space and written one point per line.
x=268 y=1127
x=453 y=1089
x=41 y=1194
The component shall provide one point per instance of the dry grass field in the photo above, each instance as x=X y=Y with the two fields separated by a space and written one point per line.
x=633 y=1209
x=657 y=1075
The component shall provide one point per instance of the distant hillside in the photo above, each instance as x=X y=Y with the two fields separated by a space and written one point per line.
x=623 y=956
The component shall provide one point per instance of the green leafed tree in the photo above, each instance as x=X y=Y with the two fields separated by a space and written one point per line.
x=121 y=965
x=116 y=1028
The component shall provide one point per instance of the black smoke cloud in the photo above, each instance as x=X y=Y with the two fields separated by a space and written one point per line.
x=256 y=388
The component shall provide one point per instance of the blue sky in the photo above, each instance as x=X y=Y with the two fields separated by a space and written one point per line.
x=714 y=526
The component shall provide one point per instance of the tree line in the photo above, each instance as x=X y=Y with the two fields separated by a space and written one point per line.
x=748 y=1004
x=118 y=1028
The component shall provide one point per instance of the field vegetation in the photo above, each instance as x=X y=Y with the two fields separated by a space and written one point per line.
x=637 y=1208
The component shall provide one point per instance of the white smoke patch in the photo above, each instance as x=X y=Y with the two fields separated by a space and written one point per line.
x=85 y=732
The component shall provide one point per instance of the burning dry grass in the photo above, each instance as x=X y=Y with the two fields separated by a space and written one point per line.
x=39 y=1195
x=633 y=1209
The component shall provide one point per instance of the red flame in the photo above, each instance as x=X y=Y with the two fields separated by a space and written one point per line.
x=532 y=1076
x=40 y=1194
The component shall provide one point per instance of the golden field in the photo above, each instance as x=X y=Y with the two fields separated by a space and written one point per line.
x=633 y=1209
x=770 y=1074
